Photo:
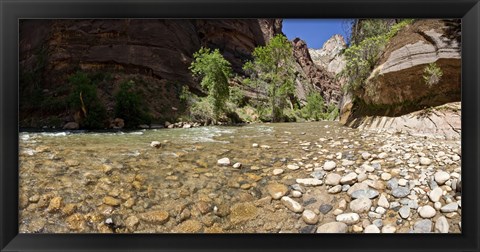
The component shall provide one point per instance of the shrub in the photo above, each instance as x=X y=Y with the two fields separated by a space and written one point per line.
x=314 y=107
x=84 y=98
x=202 y=111
x=332 y=113
x=432 y=74
x=237 y=96
x=129 y=106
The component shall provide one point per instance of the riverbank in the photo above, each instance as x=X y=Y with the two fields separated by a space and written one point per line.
x=260 y=178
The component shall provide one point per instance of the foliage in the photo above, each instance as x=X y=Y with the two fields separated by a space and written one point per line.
x=237 y=96
x=215 y=72
x=332 y=113
x=362 y=56
x=314 y=107
x=272 y=72
x=84 y=98
x=362 y=29
x=202 y=111
x=129 y=106
x=432 y=74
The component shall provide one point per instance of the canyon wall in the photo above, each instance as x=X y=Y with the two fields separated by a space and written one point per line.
x=397 y=85
x=156 y=53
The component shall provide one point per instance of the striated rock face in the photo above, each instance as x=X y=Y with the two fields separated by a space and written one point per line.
x=319 y=78
x=157 y=52
x=396 y=86
x=398 y=76
x=329 y=55
x=162 y=48
x=442 y=122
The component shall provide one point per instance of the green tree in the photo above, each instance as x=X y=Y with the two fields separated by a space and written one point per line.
x=129 y=106
x=314 y=107
x=85 y=100
x=215 y=72
x=272 y=72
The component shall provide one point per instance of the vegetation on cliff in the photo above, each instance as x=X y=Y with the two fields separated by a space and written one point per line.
x=367 y=44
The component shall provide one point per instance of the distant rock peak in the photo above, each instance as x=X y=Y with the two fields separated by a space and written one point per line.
x=329 y=56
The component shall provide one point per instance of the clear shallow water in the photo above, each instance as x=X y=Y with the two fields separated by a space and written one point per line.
x=116 y=182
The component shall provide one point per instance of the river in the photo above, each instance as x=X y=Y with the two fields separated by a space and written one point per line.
x=117 y=182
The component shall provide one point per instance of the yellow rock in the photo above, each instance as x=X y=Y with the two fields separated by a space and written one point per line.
x=111 y=201
x=242 y=212
x=76 y=222
x=189 y=226
x=68 y=209
x=157 y=216
x=55 y=204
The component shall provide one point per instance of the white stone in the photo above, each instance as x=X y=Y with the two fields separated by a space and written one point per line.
x=342 y=204
x=309 y=181
x=380 y=210
x=360 y=205
x=435 y=194
x=371 y=229
x=347 y=162
x=386 y=176
x=335 y=189
x=277 y=171
x=292 y=204
x=389 y=229
x=349 y=178
x=337 y=212
x=404 y=212
x=402 y=182
x=329 y=165
x=332 y=179
x=155 y=144
x=293 y=167
x=237 y=165
x=383 y=202
x=449 y=208
x=437 y=205
x=422 y=226
x=333 y=227
x=348 y=218
x=255 y=145
x=223 y=161
x=362 y=177
x=441 y=225
x=364 y=193
x=441 y=177
x=309 y=217
x=426 y=211
x=382 y=155
x=366 y=155
x=296 y=194
x=425 y=161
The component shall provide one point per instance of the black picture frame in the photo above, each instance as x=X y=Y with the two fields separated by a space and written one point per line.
x=11 y=11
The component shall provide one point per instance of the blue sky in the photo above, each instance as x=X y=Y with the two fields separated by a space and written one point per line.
x=315 y=31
